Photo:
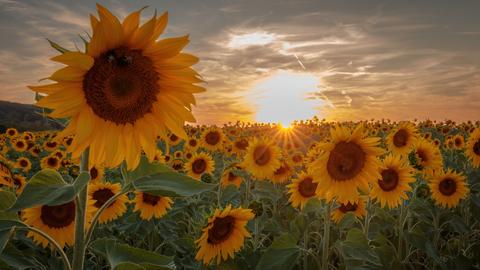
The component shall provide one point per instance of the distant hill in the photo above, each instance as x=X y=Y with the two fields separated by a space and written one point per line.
x=24 y=117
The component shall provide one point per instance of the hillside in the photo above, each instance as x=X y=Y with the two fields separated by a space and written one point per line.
x=24 y=117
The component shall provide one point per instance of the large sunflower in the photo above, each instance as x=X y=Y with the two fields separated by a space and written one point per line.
x=448 y=188
x=224 y=234
x=402 y=140
x=262 y=158
x=302 y=189
x=151 y=205
x=391 y=188
x=346 y=163
x=124 y=91
x=473 y=148
x=199 y=164
x=99 y=193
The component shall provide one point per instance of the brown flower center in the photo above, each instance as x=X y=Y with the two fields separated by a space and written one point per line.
x=199 y=166
x=281 y=170
x=458 y=142
x=121 y=86
x=400 y=138
x=222 y=228
x=51 y=144
x=173 y=138
x=389 y=180
x=58 y=216
x=447 y=186
x=20 y=144
x=101 y=196
x=212 y=137
x=262 y=155
x=93 y=173
x=150 y=199
x=241 y=144
x=232 y=177
x=422 y=155
x=52 y=161
x=297 y=158
x=23 y=163
x=346 y=160
x=349 y=207
x=476 y=148
x=307 y=187
x=192 y=142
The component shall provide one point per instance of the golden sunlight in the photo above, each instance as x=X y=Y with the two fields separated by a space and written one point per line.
x=286 y=96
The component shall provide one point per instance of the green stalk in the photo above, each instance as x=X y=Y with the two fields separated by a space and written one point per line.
x=326 y=237
x=81 y=206
x=400 y=231
x=366 y=228
x=53 y=242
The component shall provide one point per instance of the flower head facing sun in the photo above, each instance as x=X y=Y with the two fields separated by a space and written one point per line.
x=127 y=87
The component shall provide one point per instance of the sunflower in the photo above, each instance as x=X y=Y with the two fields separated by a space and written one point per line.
x=177 y=164
x=224 y=235
x=124 y=91
x=283 y=173
x=302 y=189
x=96 y=173
x=19 y=182
x=230 y=178
x=212 y=139
x=178 y=154
x=199 y=164
x=391 y=188
x=402 y=140
x=99 y=193
x=473 y=148
x=23 y=163
x=297 y=158
x=191 y=145
x=11 y=132
x=428 y=157
x=356 y=207
x=151 y=205
x=51 y=162
x=239 y=146
x=173 y=140
x=459 y=141
x=35 y=151
x=57 y=221
x=50 y=145
x=262 y=158
x=347 y=163
x=448 y=188
x=20 y=145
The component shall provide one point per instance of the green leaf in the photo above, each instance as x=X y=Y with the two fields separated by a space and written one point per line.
x=7 y=199
x=47 y=187
x=356 y=248
x=4 y=237
x=81 y=181
x=282 y=254
x=171 y=183
x=144 y=168
x=57 y=47
x=122 y=256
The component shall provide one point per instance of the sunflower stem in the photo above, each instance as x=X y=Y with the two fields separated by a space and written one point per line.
x=66 y=262
x=401 y=224
x=367 y=219
x=80 y=212
x=326 y=237
x=100 y=211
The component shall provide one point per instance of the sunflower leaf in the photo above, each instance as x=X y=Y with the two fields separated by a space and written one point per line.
x=282 y=254
x=7 y=199
x=4 y=237
x=144 y=168
x=46 y=187
x=122 y=256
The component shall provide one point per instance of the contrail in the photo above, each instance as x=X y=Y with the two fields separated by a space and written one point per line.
x=300 y=62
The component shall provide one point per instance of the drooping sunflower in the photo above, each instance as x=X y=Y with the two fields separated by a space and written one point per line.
x=23 y=163
x=100 y=192
x=151 y=205
x=428 y=157
x=199 y=164
x=357 y=207
x=57 y=221
x=212 y=139
x=402 y=140
x=448 y=188
x=302 y=189
x=126 y=89
x=283 y=173
x=347 y=162
x=230 y=178
x=473 y=148
x=262 y=158
x=51 y=162
x=224 y=235
x=391 y=188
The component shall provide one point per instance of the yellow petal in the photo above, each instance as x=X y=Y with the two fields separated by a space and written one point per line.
x=68 y=74
x=75 y=59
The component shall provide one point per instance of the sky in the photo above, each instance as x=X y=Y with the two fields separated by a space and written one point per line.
x=279 y=60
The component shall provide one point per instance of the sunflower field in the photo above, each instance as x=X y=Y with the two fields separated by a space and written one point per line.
x=128 y=185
